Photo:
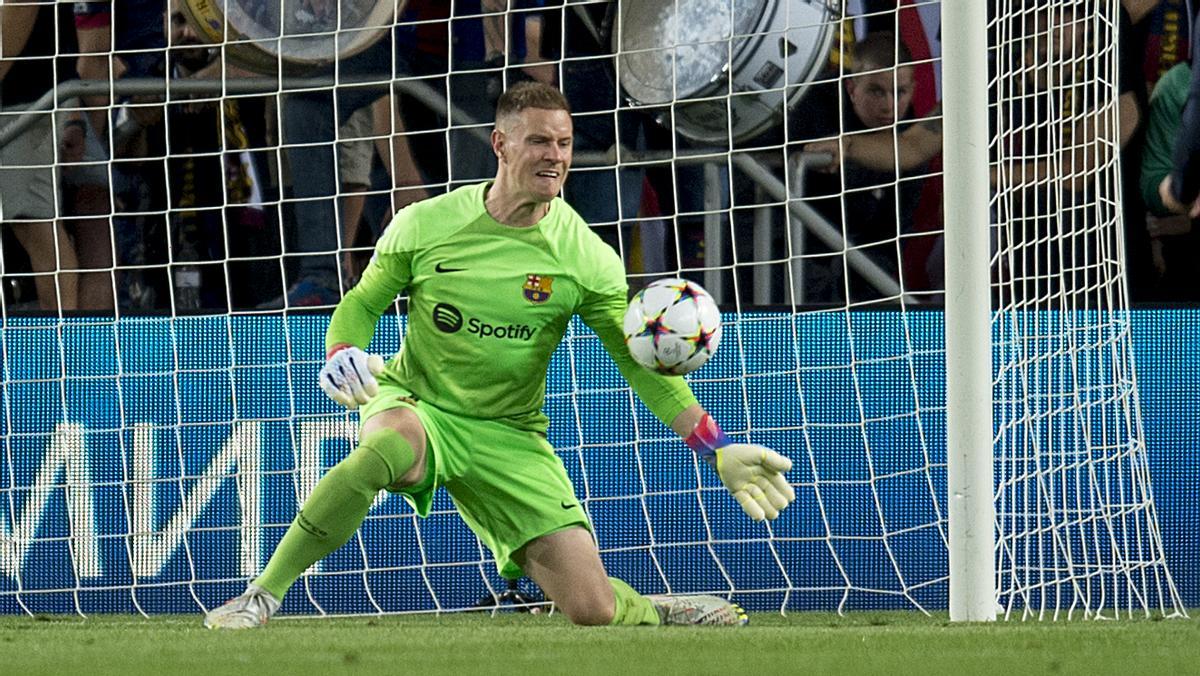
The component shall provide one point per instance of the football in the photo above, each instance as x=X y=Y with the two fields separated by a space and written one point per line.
x=672 y=326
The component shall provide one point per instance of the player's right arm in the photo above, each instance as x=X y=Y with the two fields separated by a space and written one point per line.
x=354 y=319
x=348 y=376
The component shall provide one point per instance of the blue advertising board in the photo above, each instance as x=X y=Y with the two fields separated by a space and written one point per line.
x=151 y=464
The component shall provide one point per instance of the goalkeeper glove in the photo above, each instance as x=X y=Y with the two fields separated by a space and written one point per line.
x=348 y=376
x=752 y=473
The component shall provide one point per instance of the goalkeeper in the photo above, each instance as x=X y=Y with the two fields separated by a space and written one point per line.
x=494 y=273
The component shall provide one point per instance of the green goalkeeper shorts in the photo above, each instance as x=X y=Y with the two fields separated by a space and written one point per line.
x=507 y=483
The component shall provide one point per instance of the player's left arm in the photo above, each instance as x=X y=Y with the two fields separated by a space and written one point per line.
x=665 y=396
x=753 y=474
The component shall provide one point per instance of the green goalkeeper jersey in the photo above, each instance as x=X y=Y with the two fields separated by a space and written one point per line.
x=488 y=305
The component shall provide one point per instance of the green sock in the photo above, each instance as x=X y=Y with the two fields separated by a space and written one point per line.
x=336 y=508
x=632 y=608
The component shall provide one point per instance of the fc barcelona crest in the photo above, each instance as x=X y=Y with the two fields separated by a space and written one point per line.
x=537 y=288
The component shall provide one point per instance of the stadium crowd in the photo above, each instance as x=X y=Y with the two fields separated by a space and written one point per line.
x=272 y=199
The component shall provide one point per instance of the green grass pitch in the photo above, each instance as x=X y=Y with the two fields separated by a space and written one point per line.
x=802 y=643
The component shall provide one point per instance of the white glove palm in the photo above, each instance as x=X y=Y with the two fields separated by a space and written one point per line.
x=348 y=377
x=754 y=475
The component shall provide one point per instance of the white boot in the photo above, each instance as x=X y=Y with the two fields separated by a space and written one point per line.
x=252 y=609
x=699 y=609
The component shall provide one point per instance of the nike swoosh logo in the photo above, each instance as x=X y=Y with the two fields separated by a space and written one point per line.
x=440 y=268
x=568 y=505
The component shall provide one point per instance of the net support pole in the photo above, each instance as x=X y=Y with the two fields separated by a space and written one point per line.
x=970 y=480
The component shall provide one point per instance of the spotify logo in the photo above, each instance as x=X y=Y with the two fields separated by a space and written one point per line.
x=447 y=317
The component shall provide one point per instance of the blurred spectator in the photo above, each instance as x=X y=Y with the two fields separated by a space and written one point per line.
x=190 y=161
x=309 y=134
x=1161 y=34
x=1174 y=237
x=30 y=199
x=1050 y=41
x=461 y=53
x=1135 y=30
x=621 y=199
x=465 y=51
x=1180 y=189
x=483 y=44
x=355 y=155
x=1055 y=165
x=875 y=94
x=216 y=195
x=917 y=143
x=606 y=197
x=133 y=31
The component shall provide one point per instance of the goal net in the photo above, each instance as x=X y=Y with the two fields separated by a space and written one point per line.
x=213 y=189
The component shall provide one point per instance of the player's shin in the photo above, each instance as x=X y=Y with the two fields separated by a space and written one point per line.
x=337 y=507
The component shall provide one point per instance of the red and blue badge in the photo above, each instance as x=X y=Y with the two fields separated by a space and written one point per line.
x=537 y=288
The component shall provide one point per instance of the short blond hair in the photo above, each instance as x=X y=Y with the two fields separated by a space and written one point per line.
x=530 y=94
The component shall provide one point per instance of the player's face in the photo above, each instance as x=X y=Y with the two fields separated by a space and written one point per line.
x=877 y=99
x=534 y=147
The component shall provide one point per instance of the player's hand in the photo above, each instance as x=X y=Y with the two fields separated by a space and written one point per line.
x=754 y=474
x=348 y=376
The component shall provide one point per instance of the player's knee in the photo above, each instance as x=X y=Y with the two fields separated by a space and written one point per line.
x=393 y=449
x=592 y=617
x=363 y=470
x=595 y=611
x=398 y=437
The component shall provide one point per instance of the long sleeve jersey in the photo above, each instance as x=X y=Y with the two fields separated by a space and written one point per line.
x=488 y=305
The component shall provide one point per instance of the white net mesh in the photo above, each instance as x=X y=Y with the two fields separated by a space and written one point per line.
x=161 y=419
x=1074 y=504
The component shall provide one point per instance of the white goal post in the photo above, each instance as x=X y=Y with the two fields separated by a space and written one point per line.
x=970 y=477
x=159 y=416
